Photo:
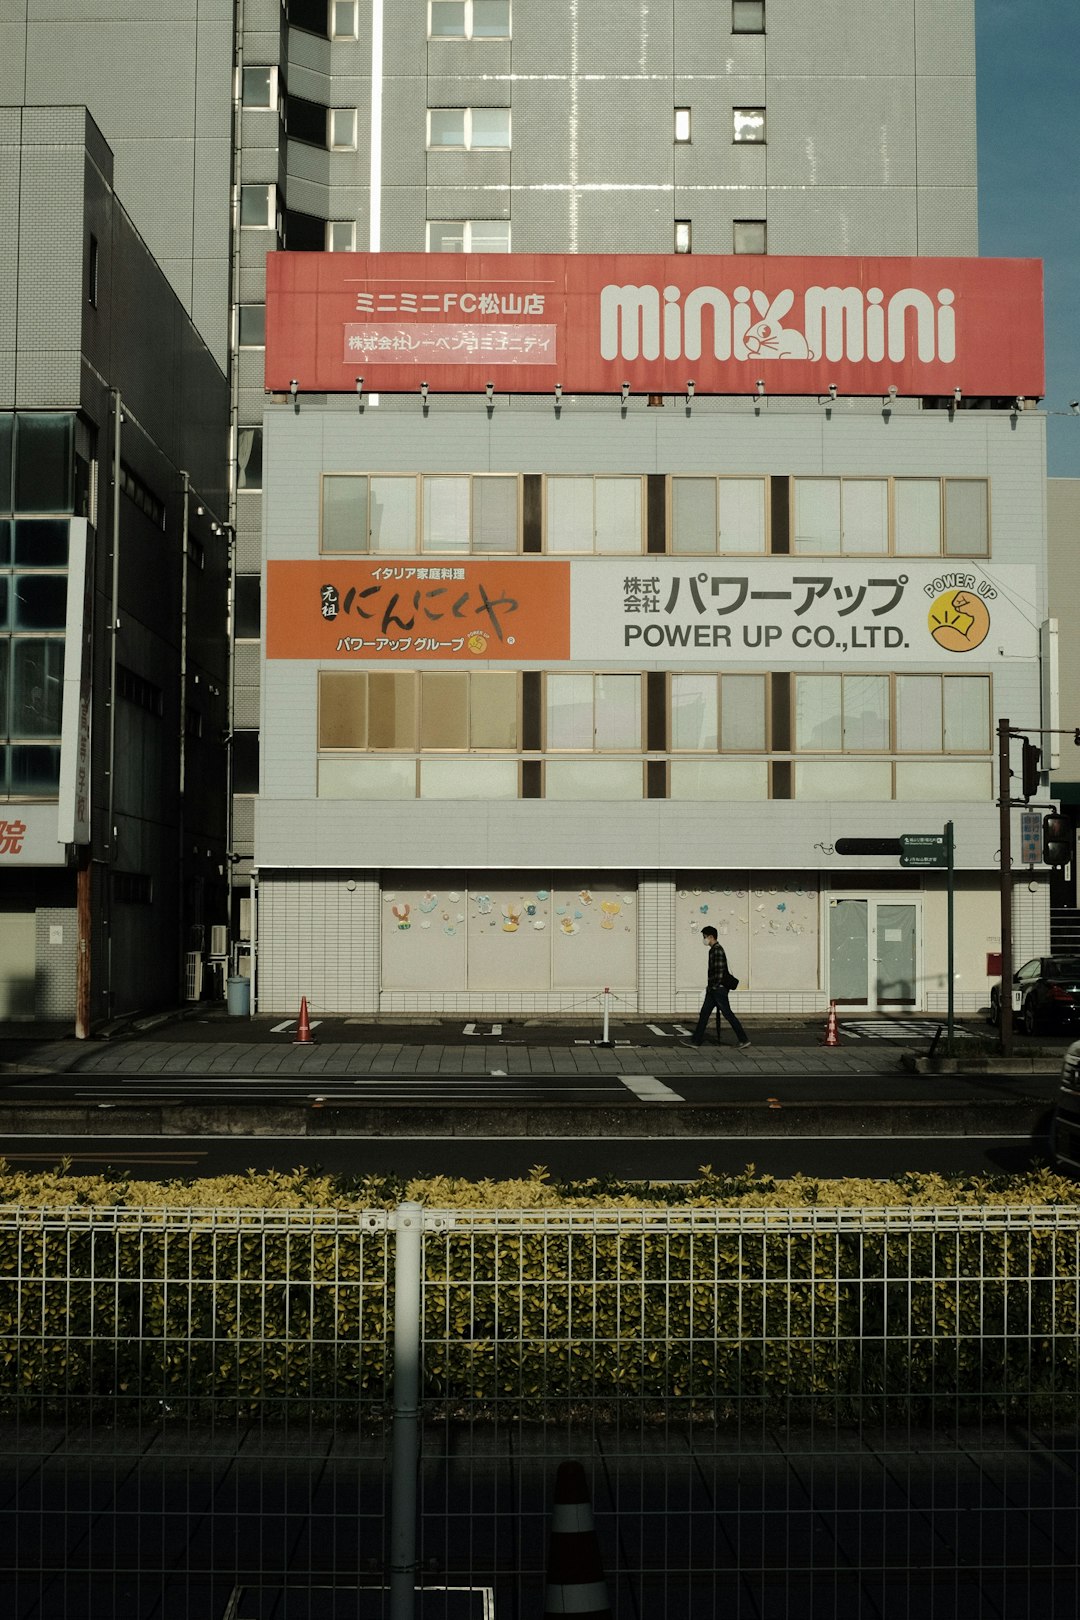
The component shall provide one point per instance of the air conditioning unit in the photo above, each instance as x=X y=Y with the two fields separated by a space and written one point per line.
x=193 y=976
x=219 y=940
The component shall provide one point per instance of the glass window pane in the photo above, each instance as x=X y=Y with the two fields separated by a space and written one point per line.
x=446 y=126
x=258 y=87
x=41 y=542
x=448 y=19
x=918 y=517
x=742 y=708
x=36 y=688
x=444 y=711
x=344 y=513
x=343 y=127
x=248 y=607
x=495 y=514
x=682 y=123
x=569 y=514
x=490 y=126
x=245 y=762
x=817 y=514
x=866 y=515
x=742 y=514
x=748 y=123
x=918 y=713
x=493 y=710
x=446 y=236
x=4 y=624
x=40 y=601
x=34 y=771
x=866 y=711
x=446 y=514
x=351 y=777
x=693 y=514
x=7 y=439
x=342 y=709
x=693 y=711
x=255 y=205
x=340 y=235
x=249 y=458
x=967 y=713
x=344 y=19
x=251 y=326
x=817 y=711
x=44 y=461
x=392 y=517
x=491 y=19
x=391 y=711
x=966 y=523
x=593 y=779
x=747 y=16
x=569 y=711
x=618 y=711
x=489 y=236
x=618 y=514
x=748 y=235
x=480 y=779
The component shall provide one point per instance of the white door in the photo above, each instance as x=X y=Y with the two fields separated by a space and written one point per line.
x=18 y=964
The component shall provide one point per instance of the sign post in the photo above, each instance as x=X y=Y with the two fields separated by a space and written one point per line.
x=937 y=849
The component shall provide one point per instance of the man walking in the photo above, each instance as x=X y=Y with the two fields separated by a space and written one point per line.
x=716 y=994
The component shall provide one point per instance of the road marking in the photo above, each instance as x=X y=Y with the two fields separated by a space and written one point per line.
x=661 y=1032
x=290 y=1023
x=648 y=1086
x=471 y=1029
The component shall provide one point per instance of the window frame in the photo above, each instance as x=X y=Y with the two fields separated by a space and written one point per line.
x=274 y=103
x=467 y=227
x=468 y=144
x=893 y=749
x=416 y=746
x=746 y=251
x=718 y=676
x=684 y=236
x=469 y=36
x=639 y=478
x=419 y=485
x=334 y=224
x=892 y=481
x=748 y=115
x=717 y=479
x=332 y=116
x=759 y=27
x=353 y=31
x=623 y=750
x=267 y=224
x=682 y=134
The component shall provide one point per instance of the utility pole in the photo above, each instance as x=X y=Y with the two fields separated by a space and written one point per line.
x=1005 y=1018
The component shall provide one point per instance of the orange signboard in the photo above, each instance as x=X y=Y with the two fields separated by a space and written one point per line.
x=391 y=608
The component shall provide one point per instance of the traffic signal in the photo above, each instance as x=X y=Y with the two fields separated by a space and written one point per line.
x=1030 y=761
x=1057 y=841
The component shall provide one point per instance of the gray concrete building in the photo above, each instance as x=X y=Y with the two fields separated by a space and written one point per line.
x=113 y=593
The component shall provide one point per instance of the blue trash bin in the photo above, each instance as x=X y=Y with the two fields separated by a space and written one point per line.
x=238 y=996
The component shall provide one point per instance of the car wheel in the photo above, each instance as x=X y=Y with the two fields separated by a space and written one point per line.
x=1031 y=1023
x=995 y=1008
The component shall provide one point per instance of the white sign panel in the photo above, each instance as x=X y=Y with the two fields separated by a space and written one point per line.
x=73 y=823
x=28 y=836
x=708 y=610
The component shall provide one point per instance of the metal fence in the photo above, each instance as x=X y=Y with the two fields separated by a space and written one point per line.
x=306 y=1414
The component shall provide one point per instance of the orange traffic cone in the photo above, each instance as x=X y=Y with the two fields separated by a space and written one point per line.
x=575 y=1575
x=304 y=1037
x=832 y=1032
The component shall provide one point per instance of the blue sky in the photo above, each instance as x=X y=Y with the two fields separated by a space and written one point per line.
x=1028 y=61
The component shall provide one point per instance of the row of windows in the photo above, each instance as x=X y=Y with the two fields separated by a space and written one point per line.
x=396 y=513
x=592 y=712
x=466 y=19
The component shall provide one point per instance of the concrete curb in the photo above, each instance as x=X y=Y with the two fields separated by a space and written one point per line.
x=1021 y=1118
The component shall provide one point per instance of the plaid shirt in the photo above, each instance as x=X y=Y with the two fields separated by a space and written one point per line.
x=717 y=965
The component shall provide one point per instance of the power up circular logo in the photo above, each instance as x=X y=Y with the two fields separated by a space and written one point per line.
x=959 y=621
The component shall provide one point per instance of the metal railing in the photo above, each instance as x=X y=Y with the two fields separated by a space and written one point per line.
x=792 y=1411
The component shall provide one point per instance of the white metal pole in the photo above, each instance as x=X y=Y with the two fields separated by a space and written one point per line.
x=607 y=1015
x=408 y=1257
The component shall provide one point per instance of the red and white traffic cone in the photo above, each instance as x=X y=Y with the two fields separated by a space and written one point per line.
x=575 y=1575
x=832 y=1032
x=304 y=1037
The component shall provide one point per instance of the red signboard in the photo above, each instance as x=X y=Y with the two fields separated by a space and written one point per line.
x=591 y=323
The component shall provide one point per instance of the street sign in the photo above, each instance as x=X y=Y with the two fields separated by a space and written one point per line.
x=1031 y=840
x=867 y=846
x=922 y=849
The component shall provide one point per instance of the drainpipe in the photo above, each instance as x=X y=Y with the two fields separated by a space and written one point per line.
x=114 y=630
x=181 y=817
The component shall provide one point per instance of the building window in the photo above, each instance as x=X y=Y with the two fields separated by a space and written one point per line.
x=842 y=514
x=469 y=129
x=459 y=513
x=245 y=762
x=594 y=514
x=341 y=129
x=249 y=458
x=340 y=235
x=748 y=236
x=468 y=236
x=747 y=16
x=257 y=207
x=92 y=272
x=426 y=712
x=469 y=19
x=748 y=124
x=682 y=125
x=967 y=521
x=251 y=326
x=929 y=517
x=133 y=888
x=943 y=714
x=892 y=714
x=247 y=607
x=718 y=515
x=842 y=713
x=258 y=89
x=343 y=20
x=682 y=236
x=719 y=713
x=593 y=713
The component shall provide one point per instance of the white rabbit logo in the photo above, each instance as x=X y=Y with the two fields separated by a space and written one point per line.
x=767 y=339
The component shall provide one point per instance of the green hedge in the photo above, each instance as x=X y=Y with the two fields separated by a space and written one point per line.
x=112 y=1298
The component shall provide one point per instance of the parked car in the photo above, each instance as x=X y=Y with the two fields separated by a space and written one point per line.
x=1045 y=994
x=1065 y=1132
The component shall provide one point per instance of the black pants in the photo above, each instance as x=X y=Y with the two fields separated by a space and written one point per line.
x=716 y=996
